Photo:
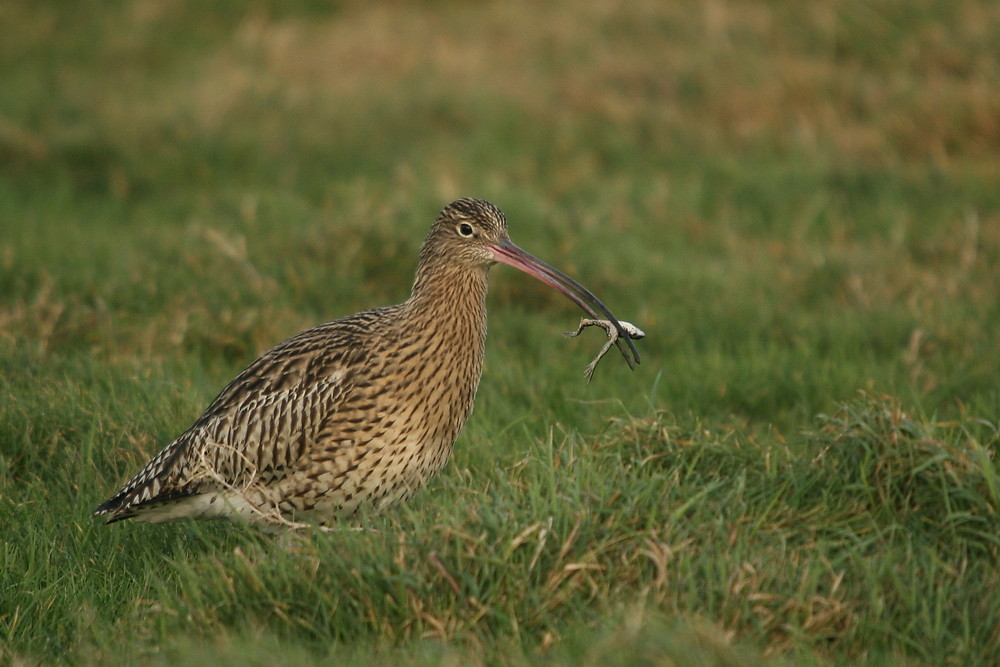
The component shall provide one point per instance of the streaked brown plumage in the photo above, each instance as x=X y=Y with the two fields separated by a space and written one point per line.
x=356 y=414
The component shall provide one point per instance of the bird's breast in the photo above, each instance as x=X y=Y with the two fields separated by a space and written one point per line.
x=435 y=384
x=398 y=429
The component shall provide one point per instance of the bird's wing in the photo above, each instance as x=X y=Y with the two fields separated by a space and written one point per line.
x=259 y=425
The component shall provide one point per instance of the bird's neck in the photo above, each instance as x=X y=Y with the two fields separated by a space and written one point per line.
x=446 y=313
x=451 y=299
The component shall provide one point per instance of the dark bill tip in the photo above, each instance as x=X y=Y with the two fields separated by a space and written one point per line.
x=508 y=253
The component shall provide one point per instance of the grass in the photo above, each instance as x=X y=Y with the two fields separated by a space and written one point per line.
x=799 y=203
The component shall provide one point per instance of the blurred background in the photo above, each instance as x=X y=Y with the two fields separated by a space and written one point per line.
x=795 y=200
x=732 y=176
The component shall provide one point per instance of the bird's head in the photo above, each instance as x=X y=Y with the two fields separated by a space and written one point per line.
x=472 y=234
x=466 y=233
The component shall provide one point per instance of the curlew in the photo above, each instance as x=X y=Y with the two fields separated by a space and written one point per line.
x=357 y=414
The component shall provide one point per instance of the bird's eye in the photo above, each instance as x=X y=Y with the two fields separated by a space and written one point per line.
x=465 y=229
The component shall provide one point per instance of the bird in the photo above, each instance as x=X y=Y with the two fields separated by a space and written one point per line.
x=355 y=415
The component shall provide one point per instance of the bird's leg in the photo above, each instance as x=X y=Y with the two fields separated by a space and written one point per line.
x=633 y=332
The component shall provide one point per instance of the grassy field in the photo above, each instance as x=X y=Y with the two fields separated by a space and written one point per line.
x=798 y=202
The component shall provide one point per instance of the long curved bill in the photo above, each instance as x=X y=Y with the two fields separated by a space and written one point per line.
x=508 y=253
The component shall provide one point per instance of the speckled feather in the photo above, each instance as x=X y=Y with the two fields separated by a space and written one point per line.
x=355 y=414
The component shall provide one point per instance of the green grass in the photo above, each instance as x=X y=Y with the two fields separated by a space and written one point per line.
x=798 y=202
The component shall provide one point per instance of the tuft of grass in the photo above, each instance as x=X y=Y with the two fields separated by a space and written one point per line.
x=938 y=477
